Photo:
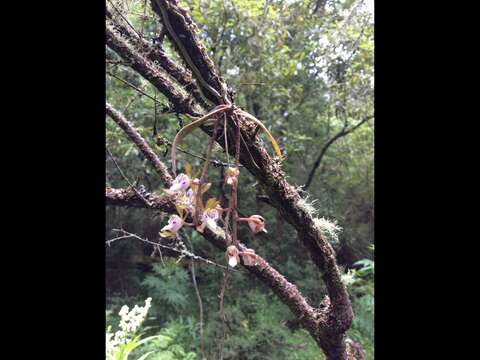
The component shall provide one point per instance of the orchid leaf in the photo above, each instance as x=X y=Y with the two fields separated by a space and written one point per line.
x=166 y=233
x=265 y=130
x=187 y=129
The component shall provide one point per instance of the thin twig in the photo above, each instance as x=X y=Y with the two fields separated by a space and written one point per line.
x=140 y=142
x=143 y=17
x=126 y=179
x=252 y=83
x=134 y=87
x=183 y=253
x=233 y=198
x=125 y=19
x=226 y=137
x=199 y=298
x=214 y=162
x=204 y=170
x=222 y=310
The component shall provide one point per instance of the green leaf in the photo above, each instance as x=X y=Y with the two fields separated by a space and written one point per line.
x=144 y=356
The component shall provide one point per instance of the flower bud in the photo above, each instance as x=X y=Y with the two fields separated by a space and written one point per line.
x=232 y=176
x=257 y=224
x=249 y=257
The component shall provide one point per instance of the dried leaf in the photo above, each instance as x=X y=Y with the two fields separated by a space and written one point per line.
x=180 y=209
x=205 y=187
x=212 y=203
x=166 y=233
x=188 y=169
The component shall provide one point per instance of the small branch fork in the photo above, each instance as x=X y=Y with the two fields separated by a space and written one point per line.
x=343 y=132
x=125 y=177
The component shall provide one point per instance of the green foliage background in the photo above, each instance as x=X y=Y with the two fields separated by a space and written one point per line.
x=305 y=76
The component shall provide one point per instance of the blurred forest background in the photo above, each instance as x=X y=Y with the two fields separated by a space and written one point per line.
x=306 y=69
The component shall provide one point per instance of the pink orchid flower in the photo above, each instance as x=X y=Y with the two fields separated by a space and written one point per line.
x=209 y=220
x=249 y=257
x=174 y=224
x=181 y=183
x=256 y=224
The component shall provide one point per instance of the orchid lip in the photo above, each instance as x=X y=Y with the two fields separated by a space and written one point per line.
x=232 y=261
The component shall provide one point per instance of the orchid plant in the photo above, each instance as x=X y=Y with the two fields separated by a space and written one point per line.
x=190 y=189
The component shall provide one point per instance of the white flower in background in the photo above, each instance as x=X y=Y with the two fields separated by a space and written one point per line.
x=130 y=322
x=181 y=183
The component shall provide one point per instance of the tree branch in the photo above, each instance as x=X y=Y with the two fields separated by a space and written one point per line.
x=140 y=91
x=149 y=71
x=181 y=33
x=142 y=145
x=344 y=132
x=155 y=54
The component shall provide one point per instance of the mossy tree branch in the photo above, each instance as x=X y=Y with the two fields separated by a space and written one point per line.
x=150 y=71
x=156 y=54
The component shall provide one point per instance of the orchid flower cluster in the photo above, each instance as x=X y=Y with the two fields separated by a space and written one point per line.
x=188 y=192
x=191 y=190
x=190 y=203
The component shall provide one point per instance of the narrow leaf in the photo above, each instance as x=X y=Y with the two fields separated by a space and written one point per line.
x=188 y=169
x=259 y=123
x=205 y=187
x=144 y=356
x=188 y=129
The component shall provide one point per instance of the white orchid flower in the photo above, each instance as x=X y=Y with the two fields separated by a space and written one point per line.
x=232 y=256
